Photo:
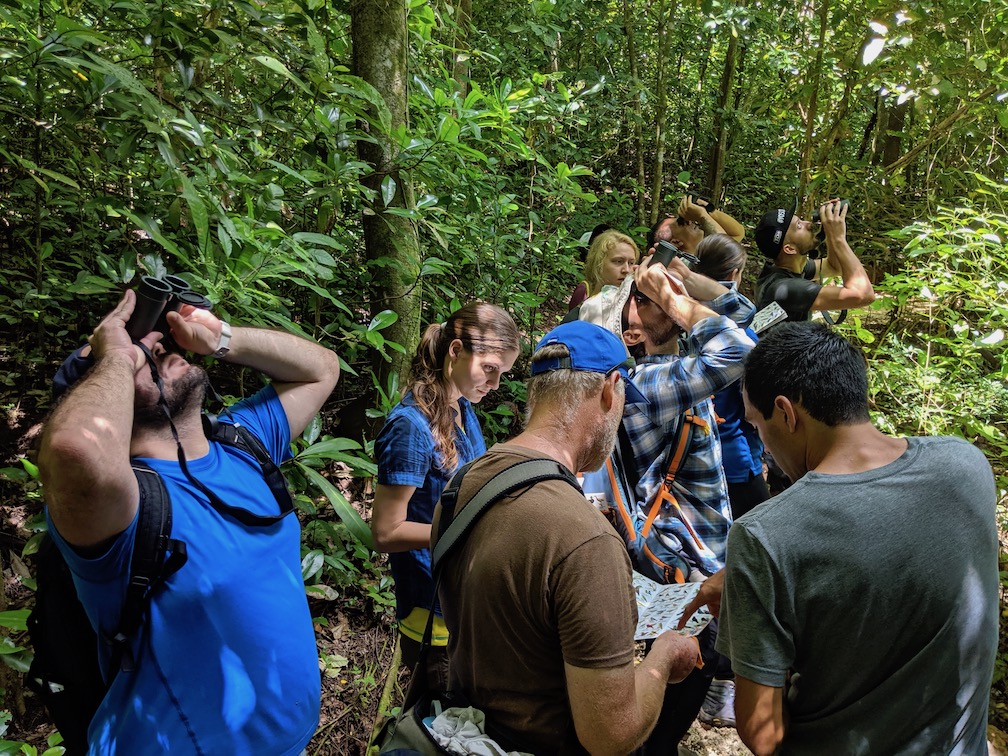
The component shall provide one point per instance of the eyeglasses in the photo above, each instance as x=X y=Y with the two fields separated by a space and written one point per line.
x=683 y=222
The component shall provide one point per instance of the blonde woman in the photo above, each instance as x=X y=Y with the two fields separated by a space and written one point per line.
x=611 y=258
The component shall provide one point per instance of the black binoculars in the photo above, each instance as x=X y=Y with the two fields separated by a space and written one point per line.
x=815 y=213
x=820 y=249
x=666 y=251
x=155 y=298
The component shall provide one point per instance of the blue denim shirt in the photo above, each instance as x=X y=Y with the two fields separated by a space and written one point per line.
x=406 y=456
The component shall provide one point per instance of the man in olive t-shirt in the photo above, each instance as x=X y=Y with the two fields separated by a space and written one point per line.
x=538 y=599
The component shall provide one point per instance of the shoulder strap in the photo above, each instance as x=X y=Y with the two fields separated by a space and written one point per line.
x=453 y=529
x=237 y=435
x=240 y=437
x=678 y=449
x=156 y=557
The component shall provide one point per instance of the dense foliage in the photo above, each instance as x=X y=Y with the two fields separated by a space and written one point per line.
x=219 y=139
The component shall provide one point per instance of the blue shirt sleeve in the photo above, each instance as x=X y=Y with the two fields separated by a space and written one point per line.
x=264 y=415
x=404 y=452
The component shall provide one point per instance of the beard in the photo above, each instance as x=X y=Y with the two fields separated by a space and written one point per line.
x=602 y=441
x=662 y=332
x=181 y=394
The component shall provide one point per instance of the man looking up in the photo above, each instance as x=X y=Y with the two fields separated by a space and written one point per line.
x=792 y=279
x=860 y=605
x=226 y=661
x=538 y=599
x=691 y=223
x=667 y=304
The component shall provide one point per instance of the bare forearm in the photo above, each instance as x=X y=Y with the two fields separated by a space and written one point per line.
x=671 y=659
x=96 y=417
x=405 y=536
x=84 y=457
x=281 y=356
x=843 y=261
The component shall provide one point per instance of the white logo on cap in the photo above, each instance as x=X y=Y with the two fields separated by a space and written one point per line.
x=781 y=212
x=778 y=235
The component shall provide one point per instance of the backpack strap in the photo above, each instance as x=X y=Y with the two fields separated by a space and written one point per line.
x=240 y=437
x=156 y=557
x=678 y=449
x=453 y=529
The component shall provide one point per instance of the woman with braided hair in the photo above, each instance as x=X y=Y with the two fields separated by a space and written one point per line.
x=430 y=434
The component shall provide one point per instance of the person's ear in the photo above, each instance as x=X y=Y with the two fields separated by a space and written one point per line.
x=786 y=406
x=608 y=398
x=455 y=349
x=632 y=337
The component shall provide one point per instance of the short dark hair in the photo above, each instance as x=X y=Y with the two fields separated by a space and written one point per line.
x=812 y=365
x=652 y=235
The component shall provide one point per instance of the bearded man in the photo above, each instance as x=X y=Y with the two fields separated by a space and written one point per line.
x=539 y=600
x=226 y=660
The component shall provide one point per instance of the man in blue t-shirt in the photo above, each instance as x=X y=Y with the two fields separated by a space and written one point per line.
x=227 y=661
x=793 y=280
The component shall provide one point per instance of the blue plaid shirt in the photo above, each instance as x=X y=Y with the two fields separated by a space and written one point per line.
x=715 y=351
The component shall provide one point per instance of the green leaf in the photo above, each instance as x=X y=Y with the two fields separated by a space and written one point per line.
x=383 y=319
x=15 y=619
x=350 y=517
x=388 y=190
x=311 y=564
x=197 y=211
x=275 y=65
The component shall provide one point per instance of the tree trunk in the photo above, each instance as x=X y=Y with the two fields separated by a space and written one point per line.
x=892 y=140
x=661 y=106
x=378 y=30
x=460 y=61
x=718 y=152
x=808 y=148
x=637 y=116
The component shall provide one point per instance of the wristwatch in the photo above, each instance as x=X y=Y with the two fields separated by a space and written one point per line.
x=225 y=339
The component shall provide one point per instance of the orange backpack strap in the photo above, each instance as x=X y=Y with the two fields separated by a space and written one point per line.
x=688 y=424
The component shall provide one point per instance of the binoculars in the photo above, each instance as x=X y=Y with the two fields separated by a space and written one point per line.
x=819 y=250
x=815 y=213
x=666 y=251
x=155 y=298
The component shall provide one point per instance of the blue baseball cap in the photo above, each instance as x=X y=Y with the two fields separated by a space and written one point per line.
x=592 y=349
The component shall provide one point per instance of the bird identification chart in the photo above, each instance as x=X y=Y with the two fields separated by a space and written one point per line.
x=660 y=606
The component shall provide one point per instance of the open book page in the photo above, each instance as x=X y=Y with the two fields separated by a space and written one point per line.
x=659 y=608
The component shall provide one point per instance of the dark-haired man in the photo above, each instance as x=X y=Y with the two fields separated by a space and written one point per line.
x=792 y=279
x=226 y=661
x=860 y=605
x=690 y=224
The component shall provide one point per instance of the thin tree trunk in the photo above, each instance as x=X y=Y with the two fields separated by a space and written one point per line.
x=638 y=115
x=661 y=106
x=460 y=61
x=892 y=142
x=378 y=29
x=808 y=148
x=718 y=153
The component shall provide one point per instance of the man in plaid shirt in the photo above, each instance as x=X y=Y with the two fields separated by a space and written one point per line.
x=662 y=305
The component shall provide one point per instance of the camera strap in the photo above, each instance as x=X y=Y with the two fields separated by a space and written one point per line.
x=244 y=516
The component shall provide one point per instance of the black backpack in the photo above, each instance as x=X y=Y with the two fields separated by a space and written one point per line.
x=65 y=672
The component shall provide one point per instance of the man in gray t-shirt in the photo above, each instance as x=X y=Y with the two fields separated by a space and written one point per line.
x=860 y=606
